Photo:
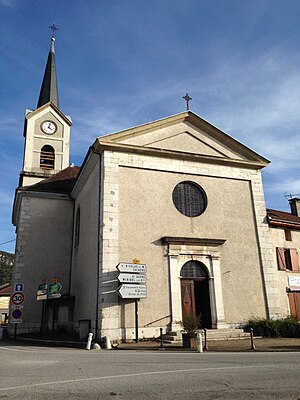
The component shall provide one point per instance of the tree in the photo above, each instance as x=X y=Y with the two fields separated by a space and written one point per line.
x=6 y=267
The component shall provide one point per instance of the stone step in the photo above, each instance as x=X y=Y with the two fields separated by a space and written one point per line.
x=212 y=334
x=174 y=333
x=171 y=338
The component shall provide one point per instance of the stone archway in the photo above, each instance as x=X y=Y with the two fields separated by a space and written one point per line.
x=207 y=252
x=195 y=298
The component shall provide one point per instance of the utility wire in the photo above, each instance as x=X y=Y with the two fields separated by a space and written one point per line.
x=1 y=244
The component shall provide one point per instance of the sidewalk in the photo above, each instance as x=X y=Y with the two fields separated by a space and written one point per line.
x=234 y=345
x=239 y=345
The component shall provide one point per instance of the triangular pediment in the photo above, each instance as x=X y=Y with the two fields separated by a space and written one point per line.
x=187 y=142
x=185 y=133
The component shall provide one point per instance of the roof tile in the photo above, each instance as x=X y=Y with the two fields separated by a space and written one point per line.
x=62 y=182
x=282 y=217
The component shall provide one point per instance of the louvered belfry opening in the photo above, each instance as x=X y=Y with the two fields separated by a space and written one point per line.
x=47 y=158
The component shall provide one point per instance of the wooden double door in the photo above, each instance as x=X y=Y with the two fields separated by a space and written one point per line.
x=195 y=299
x=294 y=300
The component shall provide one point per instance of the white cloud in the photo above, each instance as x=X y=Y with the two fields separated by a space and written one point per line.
x=10 y=3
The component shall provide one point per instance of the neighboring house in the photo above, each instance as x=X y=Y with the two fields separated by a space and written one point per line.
x=178 y=194
x=285 y=236
x=5 y=291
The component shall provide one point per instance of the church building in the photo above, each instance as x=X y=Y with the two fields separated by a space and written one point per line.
x=176 y=200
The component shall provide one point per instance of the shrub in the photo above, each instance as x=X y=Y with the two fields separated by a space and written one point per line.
x=191 y=323
x=287 y=327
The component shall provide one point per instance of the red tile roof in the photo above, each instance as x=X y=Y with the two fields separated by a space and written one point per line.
x=5 y=289
x=62 y=182
x=282 y=218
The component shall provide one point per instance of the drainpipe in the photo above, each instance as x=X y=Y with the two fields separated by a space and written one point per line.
x=99 y=242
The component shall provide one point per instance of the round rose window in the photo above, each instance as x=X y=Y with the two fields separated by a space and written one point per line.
x=189 y=199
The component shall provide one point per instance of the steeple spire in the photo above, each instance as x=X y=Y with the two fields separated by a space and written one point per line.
x=49 y=91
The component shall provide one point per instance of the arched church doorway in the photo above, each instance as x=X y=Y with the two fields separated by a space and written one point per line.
x=195 y=292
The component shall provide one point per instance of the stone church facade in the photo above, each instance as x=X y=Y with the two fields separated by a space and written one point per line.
x=177 y=194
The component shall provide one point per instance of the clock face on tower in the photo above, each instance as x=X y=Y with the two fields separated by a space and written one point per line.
x=49 y=127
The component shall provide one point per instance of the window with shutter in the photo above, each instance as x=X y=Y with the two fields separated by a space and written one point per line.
x=294 y=259
x=287 y=259
x=280 y=258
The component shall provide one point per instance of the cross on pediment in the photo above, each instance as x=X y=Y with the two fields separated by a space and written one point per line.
x=187 y=98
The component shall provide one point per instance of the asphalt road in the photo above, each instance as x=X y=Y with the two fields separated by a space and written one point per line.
x=28 y=372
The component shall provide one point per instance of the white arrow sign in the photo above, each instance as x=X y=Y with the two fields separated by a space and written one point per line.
x=132 y=278
x=133 y=291
x=127 y=267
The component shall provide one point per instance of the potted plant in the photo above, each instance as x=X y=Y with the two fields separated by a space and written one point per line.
x=191 y=323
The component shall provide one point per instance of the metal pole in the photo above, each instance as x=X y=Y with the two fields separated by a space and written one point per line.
x=136 y=321
x=15 y=333
x=205 y=340
x=252 y=340
x=161 y=337
x=53 y=316
x=42 y=319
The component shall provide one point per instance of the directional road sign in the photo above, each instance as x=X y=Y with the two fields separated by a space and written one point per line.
x=17 y=298
x=133 y=291
x=132 y=278
x=42 y=286
x=42 y=296
x=54 y=288
x=19 y=287
x=135 y=268
x=54 y=296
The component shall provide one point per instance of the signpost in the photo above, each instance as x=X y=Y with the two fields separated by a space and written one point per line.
x=17 y=298
x=47 y=292
x=135 y=268
x=133 y=291
x=16 y=315
x=19 y=287
x=53 y=290
x=133 y=278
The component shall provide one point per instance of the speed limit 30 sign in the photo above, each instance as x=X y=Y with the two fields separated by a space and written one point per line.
x=17 y=298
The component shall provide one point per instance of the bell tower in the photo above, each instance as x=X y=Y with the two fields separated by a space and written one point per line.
x=46 y=130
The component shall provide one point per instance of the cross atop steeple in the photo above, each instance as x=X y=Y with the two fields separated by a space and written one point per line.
x=53 y=28
x=49 y=92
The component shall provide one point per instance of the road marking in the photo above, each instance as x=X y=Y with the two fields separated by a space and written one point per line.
x=137 y=375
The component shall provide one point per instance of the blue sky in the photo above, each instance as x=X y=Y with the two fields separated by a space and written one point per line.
x=122 y=63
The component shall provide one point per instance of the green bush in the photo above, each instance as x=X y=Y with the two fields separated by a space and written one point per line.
x=287 y=327
x=191 y=323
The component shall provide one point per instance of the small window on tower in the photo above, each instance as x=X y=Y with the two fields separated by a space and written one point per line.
x=288 y=235
x=47 y=157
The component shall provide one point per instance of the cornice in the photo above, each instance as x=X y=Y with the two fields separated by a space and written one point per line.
x=100 y=145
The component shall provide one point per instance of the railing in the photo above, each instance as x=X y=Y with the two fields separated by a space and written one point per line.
x=159 y=319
